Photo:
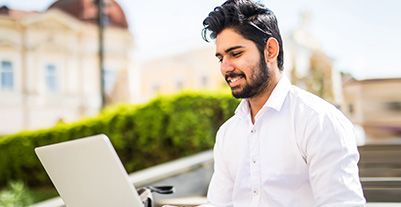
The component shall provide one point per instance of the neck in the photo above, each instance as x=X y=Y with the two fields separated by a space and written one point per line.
x=256 y=103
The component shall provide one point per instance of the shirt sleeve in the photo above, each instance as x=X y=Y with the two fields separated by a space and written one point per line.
x=221 y=184
x=332 y=158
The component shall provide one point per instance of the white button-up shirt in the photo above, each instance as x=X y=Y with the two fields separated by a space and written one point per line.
x=300 y=152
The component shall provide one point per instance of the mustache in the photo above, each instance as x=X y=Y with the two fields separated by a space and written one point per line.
x=234 y=74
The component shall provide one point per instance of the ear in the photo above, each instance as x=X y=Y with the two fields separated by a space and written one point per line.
x=272 y=49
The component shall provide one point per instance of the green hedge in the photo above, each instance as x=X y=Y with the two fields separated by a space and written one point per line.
x=166 y=128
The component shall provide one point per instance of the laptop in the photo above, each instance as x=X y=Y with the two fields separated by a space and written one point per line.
x=88 y=172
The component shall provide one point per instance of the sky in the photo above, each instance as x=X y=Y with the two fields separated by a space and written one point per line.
x=361 y=36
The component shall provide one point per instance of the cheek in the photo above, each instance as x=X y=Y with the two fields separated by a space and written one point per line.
x=243 y=65
x=250 y=70
x=249 y=61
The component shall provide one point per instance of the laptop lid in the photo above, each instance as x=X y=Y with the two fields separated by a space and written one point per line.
x=88 y=172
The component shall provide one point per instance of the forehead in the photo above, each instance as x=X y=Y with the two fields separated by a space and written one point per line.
x=229 y=38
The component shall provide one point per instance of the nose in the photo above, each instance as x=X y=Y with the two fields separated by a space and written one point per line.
x=226 y=66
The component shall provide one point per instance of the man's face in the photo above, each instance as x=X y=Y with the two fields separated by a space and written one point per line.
x=241 y=64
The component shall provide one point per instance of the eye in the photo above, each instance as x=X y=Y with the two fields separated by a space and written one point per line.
x=236 y=54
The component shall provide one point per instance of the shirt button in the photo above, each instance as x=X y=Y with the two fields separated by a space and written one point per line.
x=255 y=192
x=254 y=161
x=253 y=131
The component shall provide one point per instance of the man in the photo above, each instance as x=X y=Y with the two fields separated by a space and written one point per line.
x=284 y=146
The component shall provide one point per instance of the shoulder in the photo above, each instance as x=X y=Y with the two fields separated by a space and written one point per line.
x=312 y=105
x=320 y=125
x=312 y=111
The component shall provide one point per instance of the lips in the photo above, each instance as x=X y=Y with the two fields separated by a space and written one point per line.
x=233 y=79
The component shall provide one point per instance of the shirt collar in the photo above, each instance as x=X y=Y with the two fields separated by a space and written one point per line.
x=277 y=98
x=275 y=101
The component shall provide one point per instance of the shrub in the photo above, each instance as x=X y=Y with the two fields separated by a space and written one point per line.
x=166 y=128
x=16 y=195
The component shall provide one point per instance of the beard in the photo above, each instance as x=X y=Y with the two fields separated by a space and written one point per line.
x=258 y=81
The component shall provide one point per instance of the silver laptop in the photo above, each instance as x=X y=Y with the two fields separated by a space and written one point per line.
x=88 y=172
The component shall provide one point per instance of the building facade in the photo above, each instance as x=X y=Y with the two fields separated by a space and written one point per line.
x=49 y=70
x=197 y=69
x=375 y=105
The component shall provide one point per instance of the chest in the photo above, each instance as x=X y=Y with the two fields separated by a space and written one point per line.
x=269 y=148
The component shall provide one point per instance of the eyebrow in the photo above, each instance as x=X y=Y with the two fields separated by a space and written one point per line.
x=229 y=49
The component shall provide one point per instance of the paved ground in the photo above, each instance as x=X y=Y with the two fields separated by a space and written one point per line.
x=383 y=205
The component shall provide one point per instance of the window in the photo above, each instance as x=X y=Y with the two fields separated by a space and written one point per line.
x=204 y=81
x=51 y=78
x=350 y=108
x=109 y=80
x=106 y=20
x=6 y=76
x=394 y=106
x=179 y=85
x=155 y=88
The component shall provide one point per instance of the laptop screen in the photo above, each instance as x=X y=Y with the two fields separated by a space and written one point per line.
x=88 y=172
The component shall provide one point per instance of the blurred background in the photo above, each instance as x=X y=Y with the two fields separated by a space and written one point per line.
x=344 y=51
x=64 y=61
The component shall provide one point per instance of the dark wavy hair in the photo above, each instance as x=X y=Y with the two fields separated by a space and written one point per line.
x=252 y=20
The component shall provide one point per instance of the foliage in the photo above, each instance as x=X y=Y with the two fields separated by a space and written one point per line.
x=143 y=135
x=16 y=195
x=319 y=80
